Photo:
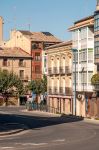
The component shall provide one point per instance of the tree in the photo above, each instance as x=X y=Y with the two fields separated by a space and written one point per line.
x=10 y=84
x=44 y=84
x=38 y=86
x=95 y=79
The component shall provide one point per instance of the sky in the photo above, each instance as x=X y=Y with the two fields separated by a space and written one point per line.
x=54 y=16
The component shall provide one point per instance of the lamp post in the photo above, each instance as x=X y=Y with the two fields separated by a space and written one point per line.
x=74 y=101
x=83 y=78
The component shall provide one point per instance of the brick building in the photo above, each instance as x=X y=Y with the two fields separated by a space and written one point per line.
x=33 y=43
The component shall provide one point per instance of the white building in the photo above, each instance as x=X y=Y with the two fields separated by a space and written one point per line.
x=83 y=41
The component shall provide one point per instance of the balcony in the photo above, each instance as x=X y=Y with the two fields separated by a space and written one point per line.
x=96 y=87
x=65 y=91
x=50 y=91
x=62 y=70
x=68 y=70
x=56 y=70
x=50 y=71
x=56 y=90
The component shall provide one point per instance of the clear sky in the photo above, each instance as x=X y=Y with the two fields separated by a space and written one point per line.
x=54 y=16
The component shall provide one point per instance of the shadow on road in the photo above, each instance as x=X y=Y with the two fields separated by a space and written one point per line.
x=10 y=122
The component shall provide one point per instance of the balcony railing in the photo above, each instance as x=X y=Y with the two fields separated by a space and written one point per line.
x=68 y=70
x=50 y=71
x=59 y=70
x=62 y=70
x=65 y=91
x=56 y=70
x=96 y=87
x=50 y=91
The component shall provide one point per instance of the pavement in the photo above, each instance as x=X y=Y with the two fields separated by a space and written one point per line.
x=11 y=128
x=14 y=128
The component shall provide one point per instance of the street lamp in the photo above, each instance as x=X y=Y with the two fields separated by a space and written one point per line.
x=74 y=101
x=82 y=71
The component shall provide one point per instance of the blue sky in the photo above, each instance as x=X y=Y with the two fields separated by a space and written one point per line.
x=55 y=16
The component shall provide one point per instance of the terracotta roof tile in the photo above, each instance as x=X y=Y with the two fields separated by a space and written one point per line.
x=41 y=36
x=14 y=52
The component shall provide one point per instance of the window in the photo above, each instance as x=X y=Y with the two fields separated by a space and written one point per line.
x=37 y=57
x=21 y=63
x=90 y=76
x=37 y=69
x=90 y=55
x=36 y=46
x=83 y=55
x=4 y=62
x=21 y=74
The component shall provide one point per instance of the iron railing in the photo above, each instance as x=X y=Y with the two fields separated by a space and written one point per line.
x=41 y=107
x=66 y=91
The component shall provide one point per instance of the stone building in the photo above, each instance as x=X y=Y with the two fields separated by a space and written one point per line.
x=59 y=77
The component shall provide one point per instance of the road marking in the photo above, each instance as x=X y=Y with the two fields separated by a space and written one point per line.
x=6 y=147
x=59 y=140
x=35 y=144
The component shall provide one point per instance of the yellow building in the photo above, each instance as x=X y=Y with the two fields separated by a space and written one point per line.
x=17 y=61
x=59 y=77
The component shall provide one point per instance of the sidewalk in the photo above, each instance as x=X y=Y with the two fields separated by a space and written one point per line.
x=37 y=112
x=92 y=120
x=11 y=128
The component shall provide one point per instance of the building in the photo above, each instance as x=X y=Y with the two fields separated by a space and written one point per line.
x=83 y=42
x=96 y=35
x=17 y=61
x=33 y=43
x=59 y=77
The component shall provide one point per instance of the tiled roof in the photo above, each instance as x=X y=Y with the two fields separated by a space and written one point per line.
x=84 y=19
x=14 y=52
x=66 y=43
x=40 y=36
x=25 y=32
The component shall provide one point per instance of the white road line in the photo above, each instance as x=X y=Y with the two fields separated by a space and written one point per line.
x=6 y=148
x=35 y=144
x=59 y=140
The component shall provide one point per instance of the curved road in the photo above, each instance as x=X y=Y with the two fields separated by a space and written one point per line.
x=48 y=133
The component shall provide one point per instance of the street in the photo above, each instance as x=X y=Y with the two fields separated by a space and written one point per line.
x=47 y=132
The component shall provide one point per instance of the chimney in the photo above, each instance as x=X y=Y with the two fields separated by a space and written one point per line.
x=97 y=6
x=1 y=29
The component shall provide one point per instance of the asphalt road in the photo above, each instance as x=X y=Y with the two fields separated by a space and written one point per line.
x=46 y=132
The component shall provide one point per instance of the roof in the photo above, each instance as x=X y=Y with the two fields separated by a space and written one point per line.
x=66 y=43
x=84 y=19
x=14 y=52
x=25 y=32
x=88 y=21
x=40 y=36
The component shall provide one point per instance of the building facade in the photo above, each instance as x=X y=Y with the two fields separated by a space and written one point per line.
x=83 y=42
x=17 y=61
x=96 y=36
x=59 y=77
x=33 y=43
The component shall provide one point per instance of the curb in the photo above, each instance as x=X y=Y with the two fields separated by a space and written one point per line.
x=91 y=120
x=14 y=131
x=11 y=132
